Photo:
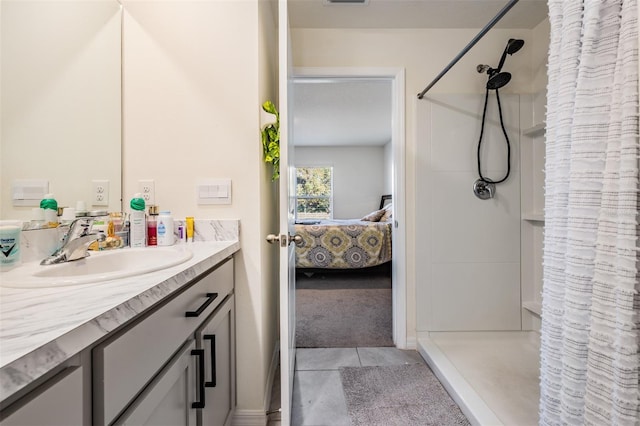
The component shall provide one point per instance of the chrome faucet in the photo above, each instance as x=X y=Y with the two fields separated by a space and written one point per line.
x=75 y=243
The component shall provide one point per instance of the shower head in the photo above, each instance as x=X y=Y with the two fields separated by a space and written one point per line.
x=513 y=45
x=496 y=81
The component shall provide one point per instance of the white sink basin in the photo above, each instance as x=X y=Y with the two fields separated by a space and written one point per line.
x=99 y=266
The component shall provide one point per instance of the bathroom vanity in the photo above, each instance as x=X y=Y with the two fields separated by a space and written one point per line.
x=132 y=350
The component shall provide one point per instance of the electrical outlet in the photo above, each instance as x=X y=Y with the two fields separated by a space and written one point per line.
x=146 y=187
x=100 y=193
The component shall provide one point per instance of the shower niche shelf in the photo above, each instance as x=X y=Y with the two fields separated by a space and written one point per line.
x=533 y=217
x=537 y=130
x=533 y=307
x=532 y=156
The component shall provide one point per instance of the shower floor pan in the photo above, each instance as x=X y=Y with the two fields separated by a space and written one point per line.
x=493 y=376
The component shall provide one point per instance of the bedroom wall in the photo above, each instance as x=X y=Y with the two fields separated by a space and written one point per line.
x=422 y=53
x=358 y=176
x=388 y=168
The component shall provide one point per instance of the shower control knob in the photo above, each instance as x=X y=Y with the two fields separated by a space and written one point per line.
x=484 y=189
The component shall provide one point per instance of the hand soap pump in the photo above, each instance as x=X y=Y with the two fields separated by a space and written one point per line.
x=138 y=222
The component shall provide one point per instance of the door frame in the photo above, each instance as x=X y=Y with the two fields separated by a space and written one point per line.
x=398 y=262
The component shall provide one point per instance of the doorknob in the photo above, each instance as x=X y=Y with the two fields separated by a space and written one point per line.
x=295 y=239
x=272 y=238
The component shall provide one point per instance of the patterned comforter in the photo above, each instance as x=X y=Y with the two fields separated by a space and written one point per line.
x=343 y=244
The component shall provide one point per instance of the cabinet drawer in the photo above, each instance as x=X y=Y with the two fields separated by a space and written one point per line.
x=124 y=364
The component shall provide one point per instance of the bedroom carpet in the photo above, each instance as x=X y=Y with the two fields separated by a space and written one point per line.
x=399 y=395
x=342 y=309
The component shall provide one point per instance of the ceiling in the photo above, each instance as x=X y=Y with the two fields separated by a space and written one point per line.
x=341 y=112
x=356 y=112
x=414 y=14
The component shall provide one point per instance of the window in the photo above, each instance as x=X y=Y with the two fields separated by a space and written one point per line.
x=314 y=193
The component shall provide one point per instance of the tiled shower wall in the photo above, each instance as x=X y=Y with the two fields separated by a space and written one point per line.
x=467 y=249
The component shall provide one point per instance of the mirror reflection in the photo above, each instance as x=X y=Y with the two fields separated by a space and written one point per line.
x=60 y=99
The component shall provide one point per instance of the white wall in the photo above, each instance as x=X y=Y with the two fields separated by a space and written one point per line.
x=358 y=176
x=60 y=81
x=195 y=75
x=423 y=53
x=388 y=168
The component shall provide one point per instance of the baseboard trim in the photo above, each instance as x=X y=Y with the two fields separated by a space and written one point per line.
x=249 y=418
x=275 y=360
x=412 y=343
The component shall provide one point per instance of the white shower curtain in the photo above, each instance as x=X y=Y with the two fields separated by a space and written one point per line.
x=590 y=339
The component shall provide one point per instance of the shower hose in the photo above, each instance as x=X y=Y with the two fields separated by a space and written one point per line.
x=484 y=114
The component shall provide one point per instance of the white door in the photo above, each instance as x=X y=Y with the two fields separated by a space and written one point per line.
x=287 y=217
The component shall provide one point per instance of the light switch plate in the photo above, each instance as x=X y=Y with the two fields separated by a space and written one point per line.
x=213 y=191
x=28 y=192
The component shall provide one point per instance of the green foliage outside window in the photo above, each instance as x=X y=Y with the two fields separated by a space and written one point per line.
x=313 y=191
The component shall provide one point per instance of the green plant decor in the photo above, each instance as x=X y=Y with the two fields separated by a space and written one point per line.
x=271 y=140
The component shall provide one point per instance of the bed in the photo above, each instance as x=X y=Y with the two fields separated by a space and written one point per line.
x=346 y=244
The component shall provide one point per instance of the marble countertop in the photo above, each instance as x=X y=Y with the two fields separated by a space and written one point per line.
x=40 y=328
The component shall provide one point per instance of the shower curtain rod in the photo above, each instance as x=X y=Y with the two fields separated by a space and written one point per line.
x=470 y=45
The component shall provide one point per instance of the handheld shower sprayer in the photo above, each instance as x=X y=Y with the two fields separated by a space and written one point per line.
x=497 y=78
x=484 y=188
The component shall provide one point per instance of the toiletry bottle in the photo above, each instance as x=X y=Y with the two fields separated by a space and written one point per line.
x=10 y=231
x=190 y=227
x=138 y=225
x=165 y=229
x=152 y=226
x=37 y=218
x=50 y=207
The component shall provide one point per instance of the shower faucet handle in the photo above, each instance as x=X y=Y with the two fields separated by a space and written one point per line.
x=484 y=189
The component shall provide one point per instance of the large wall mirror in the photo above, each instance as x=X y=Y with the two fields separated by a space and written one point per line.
x=60 y=99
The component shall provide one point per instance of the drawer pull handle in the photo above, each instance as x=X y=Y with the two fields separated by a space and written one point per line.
x=210 y=298
x=212 y=339
x=200 y=354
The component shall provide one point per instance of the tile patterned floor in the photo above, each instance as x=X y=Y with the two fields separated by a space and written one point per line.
x=318 y=399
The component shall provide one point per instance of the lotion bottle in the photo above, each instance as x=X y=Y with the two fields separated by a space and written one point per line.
x=50 y=207
x=137 y=222
x=165 y=229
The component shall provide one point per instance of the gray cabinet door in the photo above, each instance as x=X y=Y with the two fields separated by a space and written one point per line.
x=168 y=398
x=57 y=402
x=217 y=338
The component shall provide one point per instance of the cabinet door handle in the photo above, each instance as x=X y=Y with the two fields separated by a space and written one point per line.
x=200 y=354
x=212 y=340
x=210 y=298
